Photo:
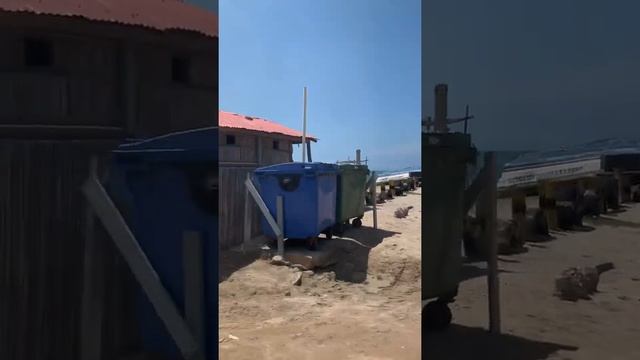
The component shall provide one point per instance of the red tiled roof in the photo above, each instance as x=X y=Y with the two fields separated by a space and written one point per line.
x=252 y=123
x=156 y=14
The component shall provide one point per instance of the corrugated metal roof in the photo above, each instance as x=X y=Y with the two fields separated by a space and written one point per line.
x=155 y=14
x=252 y=123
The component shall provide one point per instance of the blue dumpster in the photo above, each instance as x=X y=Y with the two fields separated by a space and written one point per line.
x=163 y=187
x=308 y=191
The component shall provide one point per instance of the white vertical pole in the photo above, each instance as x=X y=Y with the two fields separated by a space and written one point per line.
x=280 y=220
x=374 y=195
x=304 y=127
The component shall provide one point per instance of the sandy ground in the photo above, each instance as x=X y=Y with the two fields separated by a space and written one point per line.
x=537 y=325
x=367 y=306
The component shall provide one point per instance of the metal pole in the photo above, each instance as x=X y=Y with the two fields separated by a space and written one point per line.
x=280 y=220
x=491 y=213
x=375 y=202
x=304 y=127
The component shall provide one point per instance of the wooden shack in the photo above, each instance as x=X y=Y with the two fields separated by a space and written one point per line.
x=76 y=78
x=247 y=143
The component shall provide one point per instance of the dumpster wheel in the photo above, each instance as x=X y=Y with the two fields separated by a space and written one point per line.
x=357 y=222
x=329 y=233
x=436 y=316
x=312 y=243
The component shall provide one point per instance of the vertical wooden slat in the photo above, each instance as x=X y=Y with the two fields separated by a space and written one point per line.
x=193 y=264
x=42 y=242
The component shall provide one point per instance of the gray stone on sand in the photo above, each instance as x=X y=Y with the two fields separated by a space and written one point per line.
x=279 y=261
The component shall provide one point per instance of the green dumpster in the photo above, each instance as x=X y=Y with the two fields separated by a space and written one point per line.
x=444 y=165
x=352 y=181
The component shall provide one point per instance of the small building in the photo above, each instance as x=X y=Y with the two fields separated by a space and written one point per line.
x=145 y=67
x=77 y=77
x=247 y=143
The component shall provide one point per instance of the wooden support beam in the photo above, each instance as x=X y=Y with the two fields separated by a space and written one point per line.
x=140 y=266
x=93 y=286
x=519 y=214
x=194 y=306
x=547 y=203
x=263 y=207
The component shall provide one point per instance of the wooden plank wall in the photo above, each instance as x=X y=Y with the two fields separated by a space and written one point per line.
x=236 y=161
x=42 y=249
x=231 y=207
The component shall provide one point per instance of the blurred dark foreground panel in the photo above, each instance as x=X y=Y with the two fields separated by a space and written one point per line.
x=78 y=79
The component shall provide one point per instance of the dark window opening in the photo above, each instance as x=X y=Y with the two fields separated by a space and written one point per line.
x=231 y=139
x=38 y=53
x=180 y=70
x=276 y=145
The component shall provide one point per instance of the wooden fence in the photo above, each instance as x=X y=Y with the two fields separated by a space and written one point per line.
x=65 y=290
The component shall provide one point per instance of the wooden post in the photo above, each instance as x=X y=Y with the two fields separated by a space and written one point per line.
x=519 y=214
x=623 y=194
x=491 y=228
x=93 y=286
x=193 y=265
x=247 y=216
x=375 y=204
x=602 y=187
x=280 y=219
x=547 y=204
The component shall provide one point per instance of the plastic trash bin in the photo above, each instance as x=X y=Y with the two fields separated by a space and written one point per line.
x=444 y=166
x=163 y=187
x=352 y=180
x=308 y=191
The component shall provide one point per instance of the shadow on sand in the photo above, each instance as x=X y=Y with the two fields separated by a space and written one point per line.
x=462 y=342
x=471 y=271
x=611 y=221
x=352 y=252
x=230 y=261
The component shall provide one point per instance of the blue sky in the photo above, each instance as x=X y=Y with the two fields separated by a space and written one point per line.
x=360 y=60
x=537 y=74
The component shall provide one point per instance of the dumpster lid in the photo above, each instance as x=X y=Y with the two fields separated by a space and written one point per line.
x=353 y=167
x=297 y=168
x=191 y=145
